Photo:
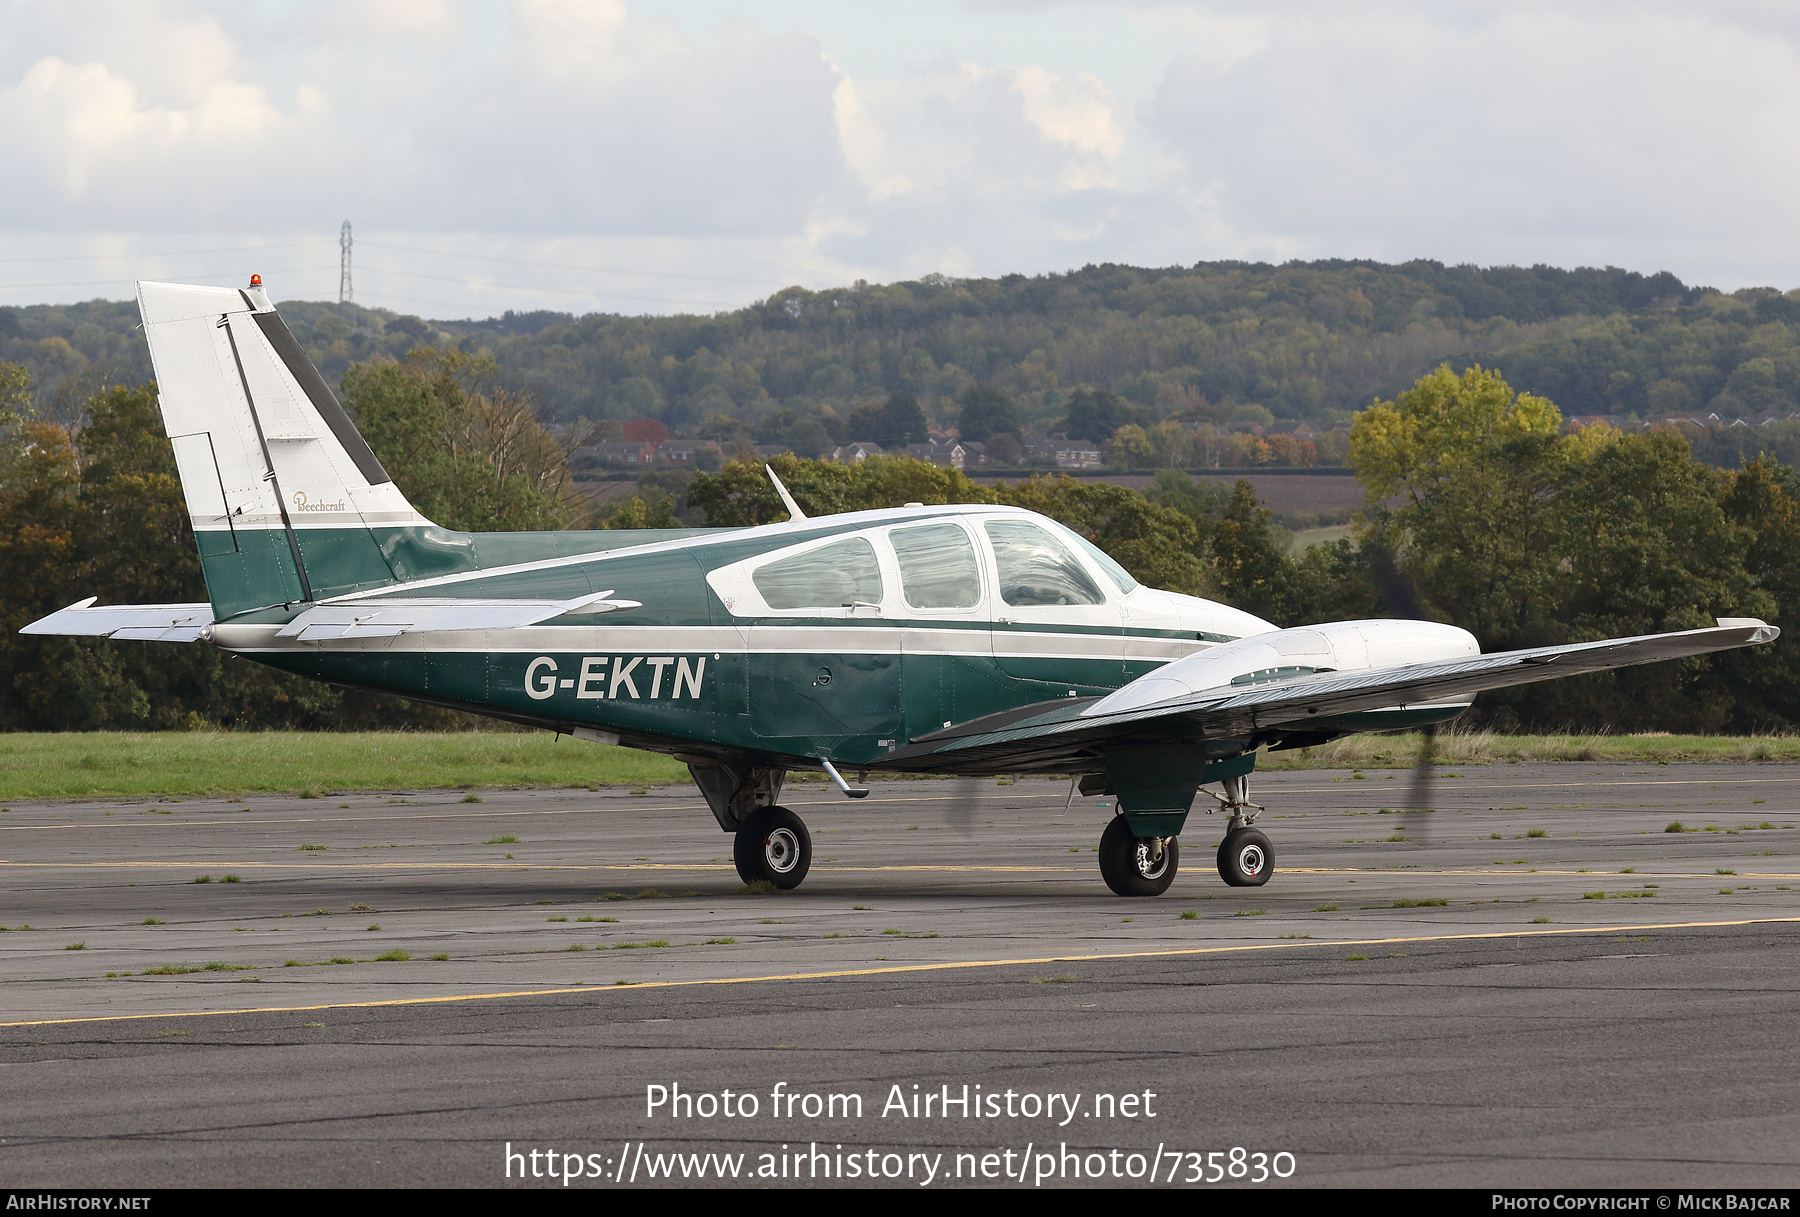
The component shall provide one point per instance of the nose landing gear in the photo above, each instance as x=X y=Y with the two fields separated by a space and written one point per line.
x=772 y=846
x=1246 y=858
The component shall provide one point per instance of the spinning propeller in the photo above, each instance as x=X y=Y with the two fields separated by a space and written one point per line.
x=1419 y=797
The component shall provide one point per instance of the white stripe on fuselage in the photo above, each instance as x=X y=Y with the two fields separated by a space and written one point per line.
x=899 y=638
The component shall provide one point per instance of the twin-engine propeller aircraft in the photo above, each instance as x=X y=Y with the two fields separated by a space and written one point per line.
x=956 y=639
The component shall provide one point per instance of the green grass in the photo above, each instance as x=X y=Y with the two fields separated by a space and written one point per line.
x=154 y=764
x=1485 y=747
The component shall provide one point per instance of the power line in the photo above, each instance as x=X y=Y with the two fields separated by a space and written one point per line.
x=186 y=253
x=601 y=270
x=219 y=274
x=555 y=291
x=380 y=295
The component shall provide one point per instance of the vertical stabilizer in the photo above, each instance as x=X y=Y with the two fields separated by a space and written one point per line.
x=282 y=491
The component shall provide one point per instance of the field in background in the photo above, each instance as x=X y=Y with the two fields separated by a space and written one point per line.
x=128 y=765
x=153 y=765
x=1487 y=748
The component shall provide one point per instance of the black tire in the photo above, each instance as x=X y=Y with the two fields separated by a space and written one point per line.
x=773 y=846
x=1246 y=859
x=1126 y=865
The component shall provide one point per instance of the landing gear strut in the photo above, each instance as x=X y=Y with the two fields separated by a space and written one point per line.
x=772 y=846
x=1246 y=859
x=1134 y=865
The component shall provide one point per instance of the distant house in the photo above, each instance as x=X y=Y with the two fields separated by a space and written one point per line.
x=681 y=451
x=628 y=452
x=1070 y=453
x=851 y=454
x=957 y=454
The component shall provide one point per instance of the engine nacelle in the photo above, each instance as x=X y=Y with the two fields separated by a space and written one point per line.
x=1339 y=646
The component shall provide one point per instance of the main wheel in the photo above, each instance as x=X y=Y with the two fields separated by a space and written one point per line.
x=1246 y=859
x=1131 y=865
x=772 y=845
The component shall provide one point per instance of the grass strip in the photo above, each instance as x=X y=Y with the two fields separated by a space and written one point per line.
x=52 y=765
x=155 y=764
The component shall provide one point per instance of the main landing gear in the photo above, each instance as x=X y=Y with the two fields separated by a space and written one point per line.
x=1134 y=865
x=1145 y=866
x=772 y=846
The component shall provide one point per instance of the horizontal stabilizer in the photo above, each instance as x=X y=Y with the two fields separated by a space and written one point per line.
x=136 y=622
x=386 y=618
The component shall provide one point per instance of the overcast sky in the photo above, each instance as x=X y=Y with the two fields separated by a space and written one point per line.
x=693 y=155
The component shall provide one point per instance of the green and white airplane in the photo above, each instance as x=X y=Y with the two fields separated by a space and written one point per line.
x=944 y=639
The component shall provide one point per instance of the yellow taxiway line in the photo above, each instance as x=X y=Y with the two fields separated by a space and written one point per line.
x=1097 y=957
x=946 y=868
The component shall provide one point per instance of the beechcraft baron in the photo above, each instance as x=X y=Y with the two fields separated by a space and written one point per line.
x=955 y=639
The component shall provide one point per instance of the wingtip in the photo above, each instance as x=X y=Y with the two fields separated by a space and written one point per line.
x=1760 y=630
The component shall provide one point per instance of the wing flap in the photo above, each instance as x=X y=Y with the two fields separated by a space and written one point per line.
x=387 y=617
x=136 y=622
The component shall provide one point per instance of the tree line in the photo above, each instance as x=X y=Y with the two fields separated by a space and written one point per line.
x=1481 y=511
x=1224 y=344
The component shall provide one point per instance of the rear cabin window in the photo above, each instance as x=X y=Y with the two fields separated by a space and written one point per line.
x=1036 y=568
x=832 y=576
x=937 y=566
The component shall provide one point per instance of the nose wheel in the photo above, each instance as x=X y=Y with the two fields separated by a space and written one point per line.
x=1134 y=865
x=772 y=846
x=1246 y=859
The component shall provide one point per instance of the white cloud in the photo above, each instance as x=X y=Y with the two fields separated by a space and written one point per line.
x=1650 y=134
x=597 y=121
x=1566 y=135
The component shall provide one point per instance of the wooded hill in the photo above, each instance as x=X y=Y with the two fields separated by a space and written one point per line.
x=1217 y=342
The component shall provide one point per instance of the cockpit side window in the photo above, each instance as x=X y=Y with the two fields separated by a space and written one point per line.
x=937 y=566
x=832 y=576
x=1118 y=574
x=1036 y=568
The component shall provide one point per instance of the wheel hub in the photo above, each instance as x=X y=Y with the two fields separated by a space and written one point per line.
x=781 y=849
x=1151 y=865
x=1250 y=859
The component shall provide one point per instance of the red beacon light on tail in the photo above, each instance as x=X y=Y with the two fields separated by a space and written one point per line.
x=255 y=280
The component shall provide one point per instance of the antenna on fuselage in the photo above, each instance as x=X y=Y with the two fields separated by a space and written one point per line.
x=794 y=512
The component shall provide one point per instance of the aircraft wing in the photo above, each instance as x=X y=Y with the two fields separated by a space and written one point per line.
x=138 y=622
x=1067 y=731
x=366 y=618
